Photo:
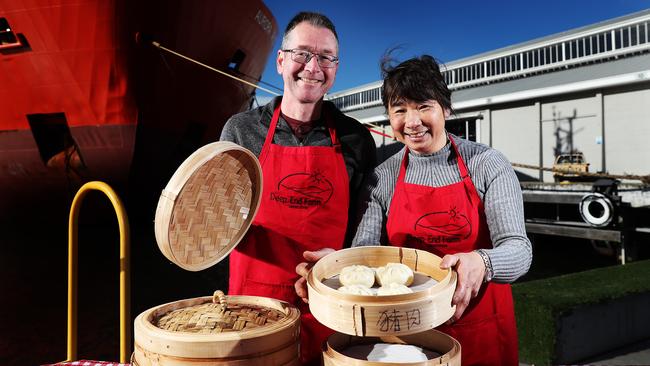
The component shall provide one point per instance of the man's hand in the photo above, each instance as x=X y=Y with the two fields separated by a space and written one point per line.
x=471 y=271
x=302 y=269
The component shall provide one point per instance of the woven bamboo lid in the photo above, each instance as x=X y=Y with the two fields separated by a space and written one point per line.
x=208 y=205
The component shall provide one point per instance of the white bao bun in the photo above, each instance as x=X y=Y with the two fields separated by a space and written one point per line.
x=357 y=275
x=394 y=273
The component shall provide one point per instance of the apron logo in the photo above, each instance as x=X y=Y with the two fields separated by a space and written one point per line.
x=443 y=227
x=303 y=190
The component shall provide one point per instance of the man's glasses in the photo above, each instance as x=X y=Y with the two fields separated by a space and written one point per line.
x=304 y=56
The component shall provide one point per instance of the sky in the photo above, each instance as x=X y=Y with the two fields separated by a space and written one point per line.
x=447 y=30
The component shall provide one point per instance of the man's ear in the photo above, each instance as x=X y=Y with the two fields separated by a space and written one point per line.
x=279 y=61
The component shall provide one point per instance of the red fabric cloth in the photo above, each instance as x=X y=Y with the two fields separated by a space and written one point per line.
x=304 y=206
x=448 y=220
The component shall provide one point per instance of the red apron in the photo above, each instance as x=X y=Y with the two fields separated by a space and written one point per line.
x=448 y=220
x=305 y=196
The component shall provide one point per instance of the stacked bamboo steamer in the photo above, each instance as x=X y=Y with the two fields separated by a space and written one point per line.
x=237 y=331
x=203 y=213
x=364 y=322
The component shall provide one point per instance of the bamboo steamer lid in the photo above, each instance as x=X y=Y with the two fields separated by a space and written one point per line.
x=237 y=330
x=378 y=316
x=447 y=348
x=208 y=205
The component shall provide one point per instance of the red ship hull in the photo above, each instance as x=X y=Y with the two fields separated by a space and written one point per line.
x=80 y=100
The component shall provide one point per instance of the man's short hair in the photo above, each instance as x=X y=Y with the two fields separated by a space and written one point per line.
x=316 y=19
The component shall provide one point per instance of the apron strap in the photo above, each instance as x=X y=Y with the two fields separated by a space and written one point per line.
x=330 y=126
x=462 y=168
x=336 y=144
x=269 y=136
x=402 y=168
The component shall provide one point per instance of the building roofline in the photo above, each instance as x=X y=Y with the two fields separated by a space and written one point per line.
x=556 y=37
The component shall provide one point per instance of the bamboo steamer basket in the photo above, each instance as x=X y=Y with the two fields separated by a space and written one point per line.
x=208 y=205
x=432 y=340
x=203 y=213
x=377 y=316
x=238 y=331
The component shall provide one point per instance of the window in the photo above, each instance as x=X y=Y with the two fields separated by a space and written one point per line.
x=547 y=55
x=236 y=60
x=633 y=35
x=581 y=47
x=7 y=36
x=594 y=44
x=10 y=41
x=553 y=53
x=574 y=48
x=626 y=37
x=617 y=39
x=463 y=128
x=608 y=41
x=601 y=43
x=517 y=62
x=642 y=30
x=525 y=60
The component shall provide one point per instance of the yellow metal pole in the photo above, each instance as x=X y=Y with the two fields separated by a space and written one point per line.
x=73 y=263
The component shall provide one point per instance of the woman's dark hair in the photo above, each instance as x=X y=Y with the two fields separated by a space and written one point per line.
x=418 y=79
x=316 y=19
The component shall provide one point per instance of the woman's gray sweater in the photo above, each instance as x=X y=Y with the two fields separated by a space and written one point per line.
x=495 y=182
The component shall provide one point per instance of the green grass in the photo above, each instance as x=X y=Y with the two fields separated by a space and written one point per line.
x=539 y=304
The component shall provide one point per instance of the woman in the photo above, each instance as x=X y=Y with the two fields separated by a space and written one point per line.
x=455 y=198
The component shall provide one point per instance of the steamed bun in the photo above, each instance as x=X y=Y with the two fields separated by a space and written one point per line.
x=393 y=289
x=394 y=273
x=357 y=275
x=356 y=290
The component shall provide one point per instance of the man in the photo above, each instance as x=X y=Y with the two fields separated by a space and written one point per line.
x=313 y=158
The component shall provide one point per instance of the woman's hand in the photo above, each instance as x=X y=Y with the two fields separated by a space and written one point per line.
x=471 y=271
x=302 y=269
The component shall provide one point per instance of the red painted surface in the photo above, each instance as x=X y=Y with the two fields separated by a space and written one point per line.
x=131 y=113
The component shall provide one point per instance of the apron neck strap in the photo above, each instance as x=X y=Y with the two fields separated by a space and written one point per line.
x=462 y=168
x=276 y=117
x=273 y=125
x=461 y=163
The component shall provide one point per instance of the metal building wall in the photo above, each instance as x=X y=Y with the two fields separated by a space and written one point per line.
x=627 y=131
x=625 y=113
x=577 y=119
x=515 y=134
